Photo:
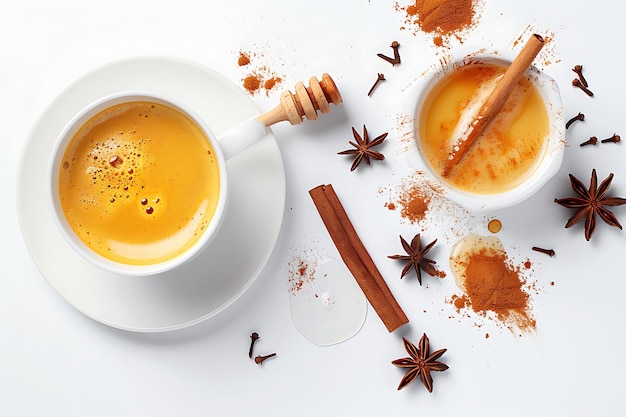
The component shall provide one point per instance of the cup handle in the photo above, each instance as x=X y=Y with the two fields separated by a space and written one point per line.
x=241 y=137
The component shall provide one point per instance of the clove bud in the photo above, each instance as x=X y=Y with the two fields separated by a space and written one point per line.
x=260 y=359
x=396 y=54
x=579 y=116
x=254 y=337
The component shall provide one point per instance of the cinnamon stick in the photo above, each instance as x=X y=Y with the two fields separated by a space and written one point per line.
x=496 y=99
x=356 y=257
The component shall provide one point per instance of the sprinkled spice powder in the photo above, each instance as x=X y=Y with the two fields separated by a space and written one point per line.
x=442 y=18
x=270 y=83
x=252 y=83
x=244 y=59
x=421 y=201
x=259 y=77
x=413 y=199
x=491 y=284
x=301 y=272
x=404 y=128
x=415 y=206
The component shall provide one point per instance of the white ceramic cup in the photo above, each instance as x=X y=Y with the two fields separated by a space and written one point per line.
x=227 y=146
x=552 y=153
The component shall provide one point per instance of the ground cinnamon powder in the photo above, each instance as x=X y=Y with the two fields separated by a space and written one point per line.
x=414 y=202
x=440 y=17
x=259 y=77
x=301 y=272
x=493 y=285
x=443 y=16
x=252 y=83
x=412 y=198
x=244 y=59
x=271 y=82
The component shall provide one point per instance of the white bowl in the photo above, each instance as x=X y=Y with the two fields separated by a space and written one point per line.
x=551 y=156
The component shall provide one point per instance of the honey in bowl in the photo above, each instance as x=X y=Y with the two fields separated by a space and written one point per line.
x=506 y=153
x=139 y=182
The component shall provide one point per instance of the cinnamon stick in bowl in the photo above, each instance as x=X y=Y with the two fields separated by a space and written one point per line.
x=356 y=257
x=494 y=102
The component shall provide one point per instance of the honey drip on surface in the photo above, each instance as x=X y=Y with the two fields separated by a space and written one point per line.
x=494 y=226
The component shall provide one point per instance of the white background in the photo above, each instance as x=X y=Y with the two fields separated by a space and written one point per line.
x=56 y=362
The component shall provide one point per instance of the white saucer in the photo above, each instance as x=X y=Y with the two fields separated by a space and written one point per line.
x=213 y=280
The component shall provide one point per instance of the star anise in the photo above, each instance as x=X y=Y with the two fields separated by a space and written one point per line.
x=421 y=363
x=415 y=257
x=592 y=202
x=362 y=148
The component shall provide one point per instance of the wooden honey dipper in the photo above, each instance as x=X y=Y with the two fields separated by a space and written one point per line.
x=306 y=102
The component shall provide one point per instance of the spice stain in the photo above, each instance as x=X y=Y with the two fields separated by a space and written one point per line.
x=244 y=59
x=301 y=272
x=259 y=78
x=492 y=286
x=443 y=19
x=412 y=198
x=414 y=204
x=421 y=202
x=252 y=83
x=404 y=129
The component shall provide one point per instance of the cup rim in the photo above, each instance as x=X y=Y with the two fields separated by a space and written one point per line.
x=554 y=147
x=63 y=226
